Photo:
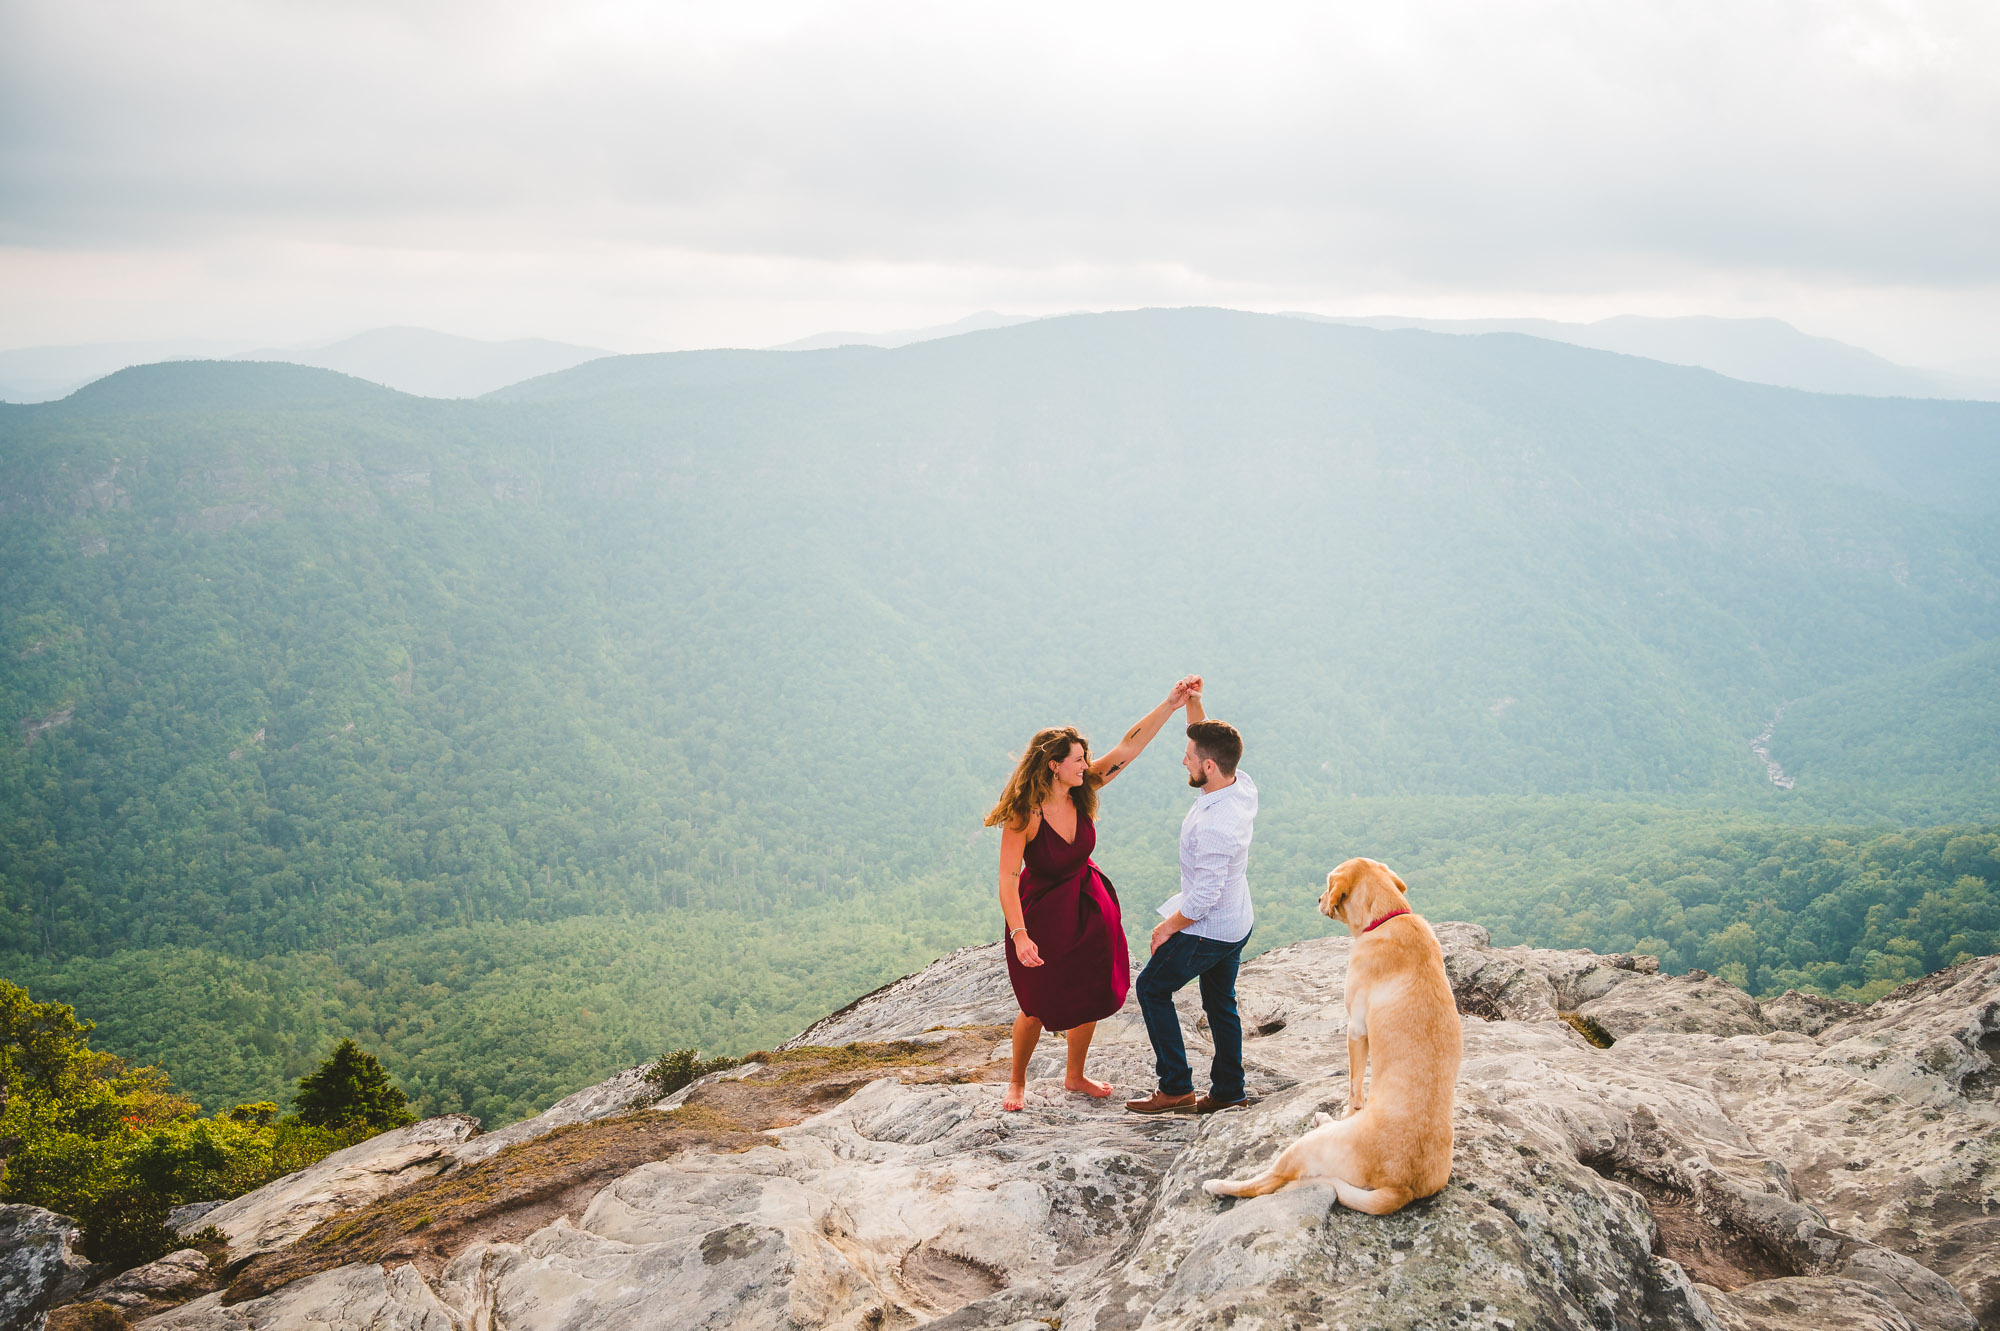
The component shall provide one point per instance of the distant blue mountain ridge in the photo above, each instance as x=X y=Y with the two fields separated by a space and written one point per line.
x=427 y=363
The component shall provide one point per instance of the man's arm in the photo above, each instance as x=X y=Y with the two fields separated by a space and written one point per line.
x=1202 y=890
x=1194 y=708
x=1167 y=928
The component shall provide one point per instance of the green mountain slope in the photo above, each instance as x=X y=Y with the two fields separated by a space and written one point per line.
x=379 y=709
x=1917 y=744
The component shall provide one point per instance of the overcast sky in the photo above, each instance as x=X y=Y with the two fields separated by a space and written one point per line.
x=646 y=175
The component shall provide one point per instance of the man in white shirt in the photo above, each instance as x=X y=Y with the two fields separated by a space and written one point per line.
x=1205 y=927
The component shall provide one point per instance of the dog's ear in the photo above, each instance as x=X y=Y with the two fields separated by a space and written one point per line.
x=1335 y=896
x=1397 y=879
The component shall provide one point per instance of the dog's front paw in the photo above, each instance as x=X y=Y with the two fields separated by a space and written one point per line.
x=1214 y=1188
x=1321 y=1119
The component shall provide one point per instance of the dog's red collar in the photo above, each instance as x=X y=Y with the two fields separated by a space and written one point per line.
x=1403 y=910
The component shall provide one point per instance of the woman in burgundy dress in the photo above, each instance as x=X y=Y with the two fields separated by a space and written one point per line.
x=1065 y=938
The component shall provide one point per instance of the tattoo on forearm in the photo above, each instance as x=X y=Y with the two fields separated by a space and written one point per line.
x=1133 y=733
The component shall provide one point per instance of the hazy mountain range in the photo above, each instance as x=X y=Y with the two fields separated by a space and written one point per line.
x=411 y=360
x=44 y=374
x=903 y=337
x=1759 y=351
x=432 y=364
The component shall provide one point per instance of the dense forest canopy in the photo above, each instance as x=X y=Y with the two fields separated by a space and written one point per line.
x=656 y=702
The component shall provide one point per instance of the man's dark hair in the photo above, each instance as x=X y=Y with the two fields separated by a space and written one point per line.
x=1217 y=740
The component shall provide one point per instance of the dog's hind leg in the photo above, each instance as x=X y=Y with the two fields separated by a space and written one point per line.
x=1306 y=1157
x=1287 y=1167
x=1373 y=1201
x=1272 y=1179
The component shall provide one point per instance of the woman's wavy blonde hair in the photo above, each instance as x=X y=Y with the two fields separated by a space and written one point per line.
x=1033 y=781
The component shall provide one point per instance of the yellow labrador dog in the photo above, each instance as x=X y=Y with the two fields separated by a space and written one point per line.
x=1393 y=1146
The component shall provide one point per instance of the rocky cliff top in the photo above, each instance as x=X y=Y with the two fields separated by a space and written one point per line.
x=1633 y=1150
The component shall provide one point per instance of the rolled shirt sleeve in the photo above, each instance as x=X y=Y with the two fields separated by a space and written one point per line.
x=1207 y=872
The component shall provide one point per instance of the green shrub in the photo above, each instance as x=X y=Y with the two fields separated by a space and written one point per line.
x=680 y=1067
x=116 y=1149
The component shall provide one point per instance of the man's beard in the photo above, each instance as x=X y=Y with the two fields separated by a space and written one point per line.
x=1198 y=782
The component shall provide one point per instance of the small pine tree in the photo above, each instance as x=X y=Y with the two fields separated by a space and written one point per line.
x=351 y=1087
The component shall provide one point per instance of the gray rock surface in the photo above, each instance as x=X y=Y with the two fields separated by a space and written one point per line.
x=1619 y=995
x=1808 y=1014
x=922 y=1198
x=1790 y=1302
x=622 y=1094
x=955 y=990
x=169 y=1280
x=186 y=1220
x=282 y=1210
x=37 y=1267
x=617 y=1095
x=1693 y=1004
x=348 y=1298
x=741 y=1072
x=1715 y=1169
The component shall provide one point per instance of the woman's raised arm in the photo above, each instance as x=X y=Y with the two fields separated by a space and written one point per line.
x=1139 y=736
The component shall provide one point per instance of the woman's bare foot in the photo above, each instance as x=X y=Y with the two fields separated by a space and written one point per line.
x=1087 y=1086
x=1017 y=1096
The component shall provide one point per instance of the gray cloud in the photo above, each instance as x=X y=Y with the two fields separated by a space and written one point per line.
x=1291 y=153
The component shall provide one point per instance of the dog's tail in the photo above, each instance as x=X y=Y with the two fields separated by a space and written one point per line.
x=1374 y=1201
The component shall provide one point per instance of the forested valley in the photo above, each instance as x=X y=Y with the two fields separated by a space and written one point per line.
x=657 y=703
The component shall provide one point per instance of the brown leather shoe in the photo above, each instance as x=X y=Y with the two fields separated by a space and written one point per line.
x=1159 y=1102
x=1208 y=1104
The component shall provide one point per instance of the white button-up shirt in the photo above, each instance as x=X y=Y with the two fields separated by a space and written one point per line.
x=1215 y=860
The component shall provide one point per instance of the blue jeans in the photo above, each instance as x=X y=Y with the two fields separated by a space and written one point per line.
x=1180 y=959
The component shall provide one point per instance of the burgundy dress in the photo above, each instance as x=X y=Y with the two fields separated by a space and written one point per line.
x=1071 y=912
